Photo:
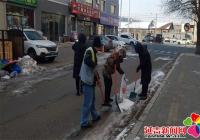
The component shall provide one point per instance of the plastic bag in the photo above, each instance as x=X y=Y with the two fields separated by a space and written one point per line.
x=123 y=87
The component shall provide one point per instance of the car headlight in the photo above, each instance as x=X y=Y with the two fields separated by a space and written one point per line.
x=39 y=46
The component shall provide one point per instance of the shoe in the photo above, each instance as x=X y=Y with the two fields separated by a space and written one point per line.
x=97 y=119
x=78 y=94
x=110 y=100
x=86 y=126
x=107 y=104
x=142 y=97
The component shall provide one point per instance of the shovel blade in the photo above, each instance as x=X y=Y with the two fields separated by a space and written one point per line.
x=133 y=96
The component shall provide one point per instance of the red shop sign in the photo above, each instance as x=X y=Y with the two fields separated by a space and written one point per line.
x=85 y=10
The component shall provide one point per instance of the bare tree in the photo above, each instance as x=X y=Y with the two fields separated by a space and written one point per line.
x=189 y=9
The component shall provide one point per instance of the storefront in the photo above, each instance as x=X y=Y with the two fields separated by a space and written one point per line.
x=84 y=19
x=52 y=18
x=52 y=25
x=20 y=13
x=109 y=24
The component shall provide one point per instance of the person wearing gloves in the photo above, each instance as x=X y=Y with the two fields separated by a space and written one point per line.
x=89 y=77
x=146 y=68
x=109 y=68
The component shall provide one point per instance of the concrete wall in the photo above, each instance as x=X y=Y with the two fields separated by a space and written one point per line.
x=2 y=15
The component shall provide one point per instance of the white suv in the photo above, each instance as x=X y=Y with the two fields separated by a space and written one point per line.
x=128 y=39
x=37 y=47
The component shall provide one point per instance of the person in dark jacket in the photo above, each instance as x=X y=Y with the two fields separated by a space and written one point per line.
x=146 y=68
x=109 y=68
x=79 y=50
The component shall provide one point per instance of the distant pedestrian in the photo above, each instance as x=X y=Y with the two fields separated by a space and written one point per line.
x=89 y=77
x=79 y=50
x=109 y=68
x=146 y=68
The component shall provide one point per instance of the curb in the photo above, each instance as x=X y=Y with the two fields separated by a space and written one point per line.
x=143 y=116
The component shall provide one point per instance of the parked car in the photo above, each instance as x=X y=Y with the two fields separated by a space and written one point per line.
x=148 y=39
x=184 y=41
x=159 y=38
x=105 y=41
x=173 y=40
x=128 y=39
x=167 y=40
x=37 y=47
x=116 y=41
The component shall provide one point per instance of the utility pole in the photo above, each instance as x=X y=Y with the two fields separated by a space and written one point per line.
x=129 y=16
x=120 y=17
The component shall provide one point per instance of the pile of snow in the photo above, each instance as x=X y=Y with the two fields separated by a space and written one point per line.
x=157 y=77
x=29 y=65
x=126 y=105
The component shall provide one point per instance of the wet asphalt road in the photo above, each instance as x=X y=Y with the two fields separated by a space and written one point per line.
x=49 y=109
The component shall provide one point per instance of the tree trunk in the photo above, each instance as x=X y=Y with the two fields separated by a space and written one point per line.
x=198 y=38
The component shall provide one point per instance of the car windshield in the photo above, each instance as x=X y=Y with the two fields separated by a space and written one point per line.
x=105 y=38
x=33 y=35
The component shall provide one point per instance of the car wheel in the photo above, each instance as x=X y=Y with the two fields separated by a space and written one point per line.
x=32 y=54
x=131 y=43
x=51 y=59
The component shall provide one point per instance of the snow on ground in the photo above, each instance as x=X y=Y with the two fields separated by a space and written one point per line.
x=157 y=77
x=117 y=123
x=163 y=58
x=126 y=105
x=196 y=72
x=29 y=66
x=131 y=54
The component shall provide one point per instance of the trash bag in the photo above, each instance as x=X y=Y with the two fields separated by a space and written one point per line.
x=123 y=87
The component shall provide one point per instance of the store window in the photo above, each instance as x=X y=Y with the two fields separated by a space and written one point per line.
x=53 y=25
x=112 y=9
x=103 y=5
x=19 y=17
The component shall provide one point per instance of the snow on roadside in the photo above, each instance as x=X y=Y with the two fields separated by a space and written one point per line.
x=157 y=77
x=196 y=72
x=131 y=54
x=29 y=66
x=163 y=58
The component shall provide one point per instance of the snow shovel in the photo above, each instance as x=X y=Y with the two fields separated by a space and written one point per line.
x=133 y=94
x=101 y=90
x=115 y=90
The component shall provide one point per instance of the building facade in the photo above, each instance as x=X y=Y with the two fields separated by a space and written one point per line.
x=2 y=16
x=60 y=18
x=52 y=18
x=109 y=19
x=85 y=16
x=20 y=13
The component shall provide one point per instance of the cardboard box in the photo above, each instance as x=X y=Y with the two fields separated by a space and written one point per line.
x=8 y=50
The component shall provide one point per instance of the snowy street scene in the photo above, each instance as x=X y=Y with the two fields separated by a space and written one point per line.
x=99 y=69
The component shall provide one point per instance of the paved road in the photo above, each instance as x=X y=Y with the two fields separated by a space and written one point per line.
x=178 y=98
x=48 y=107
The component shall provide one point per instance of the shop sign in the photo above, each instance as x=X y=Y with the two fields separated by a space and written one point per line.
x=32 y=3
x=106 y=19
x=84 y=10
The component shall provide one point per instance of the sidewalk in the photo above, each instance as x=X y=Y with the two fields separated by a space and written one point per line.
x=175 y=100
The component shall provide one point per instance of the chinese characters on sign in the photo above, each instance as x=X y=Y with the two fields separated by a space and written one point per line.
x=85 y=10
